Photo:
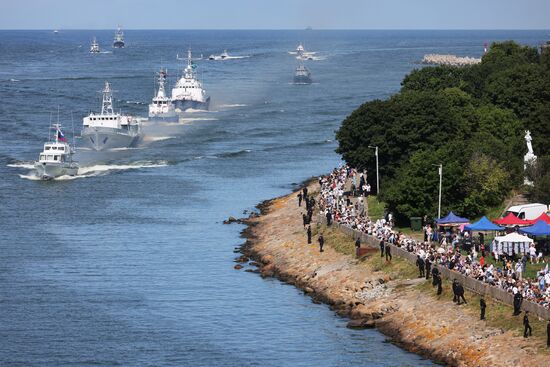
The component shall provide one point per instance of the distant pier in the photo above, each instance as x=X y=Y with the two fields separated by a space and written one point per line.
x=449 y=60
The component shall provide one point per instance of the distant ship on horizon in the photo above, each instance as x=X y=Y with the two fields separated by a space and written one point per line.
x=302 y=75
x=94 y=47
x=118 y=41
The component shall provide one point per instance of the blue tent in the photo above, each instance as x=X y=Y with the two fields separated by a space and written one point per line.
x=483 y=224
x=541 y=228
x=452 y=218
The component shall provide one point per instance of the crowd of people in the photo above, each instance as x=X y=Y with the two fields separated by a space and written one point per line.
x=343 y=200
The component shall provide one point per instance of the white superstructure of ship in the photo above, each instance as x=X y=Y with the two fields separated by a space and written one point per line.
x=56 y=158
x=161 y=108
x=109 y=129
x=188 y=92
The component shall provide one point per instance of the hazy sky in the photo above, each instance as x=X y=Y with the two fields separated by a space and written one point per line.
x=275 y=14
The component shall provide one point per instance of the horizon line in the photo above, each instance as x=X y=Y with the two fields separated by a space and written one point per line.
x=279 y=29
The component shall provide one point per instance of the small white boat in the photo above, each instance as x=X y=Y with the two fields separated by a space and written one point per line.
x=56 y=158
x=94 y=47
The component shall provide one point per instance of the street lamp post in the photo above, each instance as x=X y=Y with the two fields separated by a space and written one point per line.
x=440 y=169
x=377 y=176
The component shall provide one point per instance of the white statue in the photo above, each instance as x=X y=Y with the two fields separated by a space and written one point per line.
x=529 y=158
x=528 y=140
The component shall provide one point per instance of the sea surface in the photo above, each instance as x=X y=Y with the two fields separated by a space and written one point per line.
x=129 y=263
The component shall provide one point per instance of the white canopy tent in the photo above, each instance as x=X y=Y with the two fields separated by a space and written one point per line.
x=512 y=242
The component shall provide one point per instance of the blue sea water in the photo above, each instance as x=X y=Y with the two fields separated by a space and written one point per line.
x=130 y=264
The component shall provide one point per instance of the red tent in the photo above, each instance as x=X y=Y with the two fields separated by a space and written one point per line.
x=544 y=217
x=511 y=220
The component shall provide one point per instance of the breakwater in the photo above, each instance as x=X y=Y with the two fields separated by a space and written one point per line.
x=375 y=297
x=449 y=60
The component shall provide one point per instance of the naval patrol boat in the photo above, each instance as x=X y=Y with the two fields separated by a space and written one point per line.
x=56 y=158
x=109 y=130
x=118 y=41
x=94 y=47
x=161 y=108
x=188 y=92
x=302 y=75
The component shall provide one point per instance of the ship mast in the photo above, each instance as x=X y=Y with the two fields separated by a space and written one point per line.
x=107 y=105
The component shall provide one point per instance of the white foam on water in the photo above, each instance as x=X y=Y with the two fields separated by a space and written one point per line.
x=30 y=177
x=232 y=105
x=122 y=149
x=24 y=165
x=118 y=167
x=14 y=80
x=148 y=139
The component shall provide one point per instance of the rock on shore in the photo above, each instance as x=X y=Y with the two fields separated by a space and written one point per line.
x=442 y=332
x=449 y=60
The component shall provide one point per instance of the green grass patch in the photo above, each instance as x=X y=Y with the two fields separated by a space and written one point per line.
x=375 y=207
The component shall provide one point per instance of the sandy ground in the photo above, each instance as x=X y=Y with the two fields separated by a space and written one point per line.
x=441 y=331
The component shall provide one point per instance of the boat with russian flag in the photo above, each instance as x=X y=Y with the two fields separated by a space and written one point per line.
x=56 y=159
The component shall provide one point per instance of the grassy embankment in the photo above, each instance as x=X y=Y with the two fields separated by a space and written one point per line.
x=498 y=314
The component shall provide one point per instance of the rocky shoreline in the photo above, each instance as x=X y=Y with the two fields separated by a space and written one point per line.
x=414 y=319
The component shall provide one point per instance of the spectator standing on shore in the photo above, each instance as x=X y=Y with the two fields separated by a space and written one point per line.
x=439 y=283
x=482 y=307
x=321 y=242
x=517 y=302
x=329 y=218
x=420 y=264
x=435 y=273
x=357 y=243
x=388 y=252
x=381 y=248
x=309 y=235
x=527 y=327
x=304 y=192
x=428 y=265
x=300 y=198
x=304 y=219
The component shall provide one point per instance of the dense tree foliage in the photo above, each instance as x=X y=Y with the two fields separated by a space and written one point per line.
x=470 y=119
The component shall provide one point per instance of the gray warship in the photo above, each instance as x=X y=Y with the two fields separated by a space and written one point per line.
x=109 y=130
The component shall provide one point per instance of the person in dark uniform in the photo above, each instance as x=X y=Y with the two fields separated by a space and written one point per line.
x=300 y=198
x=309 y=235
x=435 y=272
x=381 y=248
x=357 y=243
x=460 y=293
x=420 y=264
x=439 y=284
x=304 y=192
x=548 y=334
x=388 y=252
x=329 y=218
x=321 y=242
x=304 y=219
x=527 y=328
x=309 y=215
x=428 y=265
x=482 y=307
x=518 y=299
